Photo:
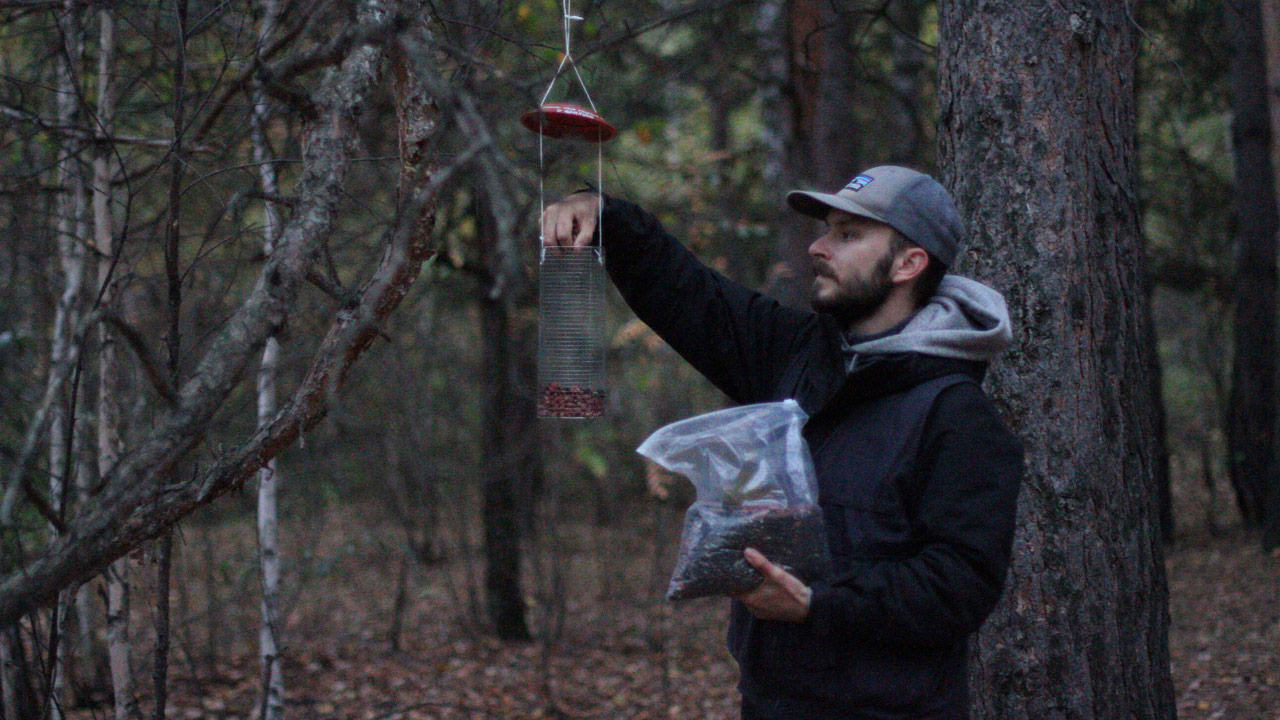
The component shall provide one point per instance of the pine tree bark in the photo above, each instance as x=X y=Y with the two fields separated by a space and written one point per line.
x=1251 y=410
x=1037 y=139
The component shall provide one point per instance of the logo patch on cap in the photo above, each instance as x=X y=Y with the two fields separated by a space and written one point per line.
x=859 y=182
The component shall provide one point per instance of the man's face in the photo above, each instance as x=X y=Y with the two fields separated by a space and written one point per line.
x=852 y=263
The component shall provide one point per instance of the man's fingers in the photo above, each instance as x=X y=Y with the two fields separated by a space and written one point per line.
x=545 y=227
x=550 y=219
x=572 y=221
x=586 y=230
x=760 y=562
x=564 y=228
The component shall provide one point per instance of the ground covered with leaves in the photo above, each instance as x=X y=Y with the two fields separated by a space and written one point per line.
x=1224 y=639
x=605 y=642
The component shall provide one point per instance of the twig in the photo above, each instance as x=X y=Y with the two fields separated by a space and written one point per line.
x=88 y=135
x=150 y=366
x=140 y=497
x=40 y=423
x=331 y=287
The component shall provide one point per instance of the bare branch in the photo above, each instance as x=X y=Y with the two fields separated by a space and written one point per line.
x=330 y=286
x=496 y=171
x=274 y=77
x=140 y=496
x=59 y=374
x=89 y=135
x=150 y=367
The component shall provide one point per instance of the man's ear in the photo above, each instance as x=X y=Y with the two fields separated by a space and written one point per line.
x=909 y=264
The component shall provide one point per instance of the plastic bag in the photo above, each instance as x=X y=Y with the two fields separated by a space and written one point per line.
x=756 y=488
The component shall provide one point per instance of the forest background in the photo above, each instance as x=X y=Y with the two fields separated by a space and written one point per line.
x=306 y=232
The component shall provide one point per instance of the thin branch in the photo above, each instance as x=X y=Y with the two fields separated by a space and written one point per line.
x=242 y=81
x=140 y=496
x=59 y=375
x=150 y=366
x=331 y=287
x=88 y=135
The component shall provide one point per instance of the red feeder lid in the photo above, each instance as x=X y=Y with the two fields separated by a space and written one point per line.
x=569 y=122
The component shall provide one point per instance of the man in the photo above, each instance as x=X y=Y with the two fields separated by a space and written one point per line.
x=917 y=476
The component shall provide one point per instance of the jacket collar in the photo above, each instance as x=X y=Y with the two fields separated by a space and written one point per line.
x=827 y=387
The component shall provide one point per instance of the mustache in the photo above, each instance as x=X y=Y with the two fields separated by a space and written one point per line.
x=822 y=269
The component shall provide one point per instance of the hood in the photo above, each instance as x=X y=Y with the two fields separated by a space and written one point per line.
x=965 y=320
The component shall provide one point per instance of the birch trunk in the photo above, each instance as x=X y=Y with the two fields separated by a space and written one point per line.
x=272 y=706
x=71 y=252
x=110 y=446
x=139 y=497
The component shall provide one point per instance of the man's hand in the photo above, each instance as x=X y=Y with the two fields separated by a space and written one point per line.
x=572 y=221
x=780 y=597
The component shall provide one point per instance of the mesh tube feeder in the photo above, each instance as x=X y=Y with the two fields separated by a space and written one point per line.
x=571 y=280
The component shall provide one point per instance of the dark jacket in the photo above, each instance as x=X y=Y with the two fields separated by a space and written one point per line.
x=918 y=480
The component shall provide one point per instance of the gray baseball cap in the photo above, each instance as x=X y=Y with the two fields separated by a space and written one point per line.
x=911 y=202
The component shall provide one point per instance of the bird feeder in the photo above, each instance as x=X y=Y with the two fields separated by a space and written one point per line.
x=571 y=280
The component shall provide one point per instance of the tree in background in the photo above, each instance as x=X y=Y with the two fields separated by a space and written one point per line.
x=138 y=494
x=1186 y=200
x=1042 y=161
x=1251 y=411
x=853 y=92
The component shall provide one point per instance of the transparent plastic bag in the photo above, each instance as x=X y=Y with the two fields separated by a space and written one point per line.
x=756 y=488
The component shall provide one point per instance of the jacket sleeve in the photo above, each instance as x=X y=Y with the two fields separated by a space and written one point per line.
x=966 y=513
x=739 y=339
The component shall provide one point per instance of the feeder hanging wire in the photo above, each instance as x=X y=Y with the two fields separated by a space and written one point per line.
x=569 y=19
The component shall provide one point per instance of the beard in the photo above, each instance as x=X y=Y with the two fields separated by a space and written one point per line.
x=858 y=297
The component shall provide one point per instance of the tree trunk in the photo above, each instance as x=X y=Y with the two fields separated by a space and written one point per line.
x=119 y=649
x=508 y=425
x=1271 y=44
x=1037 y=138
x=1251 y=411
x=139 y=498
x=906 y=118
x=68 y=229
x=17 y=698
x=508 y=414
x=823 y=149
x=272 y=705
x=508 y=417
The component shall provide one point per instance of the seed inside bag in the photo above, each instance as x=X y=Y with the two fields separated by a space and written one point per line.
x=711 y=560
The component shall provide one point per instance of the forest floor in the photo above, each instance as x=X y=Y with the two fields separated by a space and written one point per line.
x=1224 y=637
x=606 y=644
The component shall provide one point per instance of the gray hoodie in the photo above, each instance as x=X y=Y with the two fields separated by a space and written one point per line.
x=965 y=319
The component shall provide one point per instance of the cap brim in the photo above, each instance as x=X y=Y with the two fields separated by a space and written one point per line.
x=817 y=205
